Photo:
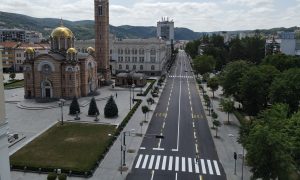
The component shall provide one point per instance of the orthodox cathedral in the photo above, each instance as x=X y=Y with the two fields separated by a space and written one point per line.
x=65 y=73
x=62 y=72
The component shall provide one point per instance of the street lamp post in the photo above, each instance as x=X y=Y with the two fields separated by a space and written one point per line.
x=61 y=103
x=130 y=97
x=133 y=86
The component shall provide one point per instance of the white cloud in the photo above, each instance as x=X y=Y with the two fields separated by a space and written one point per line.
x=206 y=15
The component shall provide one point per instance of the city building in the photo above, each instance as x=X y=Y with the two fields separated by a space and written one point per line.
x=165 y=29
x=128 y=79
x=20 y=53
x=8 y=55
x=287 y=42
x=101 y=8
x=62 y=72
x=33 y=37
x=4 y=156
x=147 y=56
x=16 y=35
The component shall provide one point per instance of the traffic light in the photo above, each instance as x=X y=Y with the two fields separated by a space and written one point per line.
x=235 y=155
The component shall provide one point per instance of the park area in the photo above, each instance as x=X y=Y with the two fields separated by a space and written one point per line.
x=71 y=147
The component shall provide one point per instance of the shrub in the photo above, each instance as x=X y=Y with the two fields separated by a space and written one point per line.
x=51 y=176
x=62 y=176
x=74 y=107
x=93 y=109
x=111 y=109
x=12 y=76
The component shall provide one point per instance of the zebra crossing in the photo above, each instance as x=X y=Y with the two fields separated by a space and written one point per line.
x=189 y=77
x=178 y=164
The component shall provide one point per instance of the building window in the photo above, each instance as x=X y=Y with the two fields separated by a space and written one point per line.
x=141 y=67
x=153 y=52
x=134 y=67
x=152 y=67
x=134 y=59
x=100 y=10
x=142 y=59
x=120 y=66
x=127 y=66
x=70 y=77
x=152 y=59
x=127 y=51
x=141 y=51
x=120 y=51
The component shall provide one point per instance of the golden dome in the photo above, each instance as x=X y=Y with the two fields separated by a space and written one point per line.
x=71 y=51
x=29 y=50
x=62 y=32
x=90 y=50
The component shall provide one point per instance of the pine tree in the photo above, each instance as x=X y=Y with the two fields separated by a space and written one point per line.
x=111 y=109
x=74 y=107
x=93 y=109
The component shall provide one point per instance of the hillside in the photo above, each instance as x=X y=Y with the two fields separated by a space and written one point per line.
x=85 y=29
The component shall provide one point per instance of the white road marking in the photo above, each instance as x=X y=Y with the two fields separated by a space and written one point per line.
x=177 y=163
x=152 y=174
x=179 y=113
x=145 y=162
x=170 y=163
x=139 y=161
x=176 y=176
x=210 y=167
x=157 y=162
x=151 y=162
x=203 y=166
x=158 y=149
x=196 y=166
x=142 y=148
x=183 y=164
x=190 y=165
x=217 y=168
x=163 y=166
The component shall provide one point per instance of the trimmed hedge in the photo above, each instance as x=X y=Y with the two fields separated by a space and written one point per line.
x=148 y=89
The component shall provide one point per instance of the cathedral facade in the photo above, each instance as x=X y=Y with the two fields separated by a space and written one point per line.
x=62 y=72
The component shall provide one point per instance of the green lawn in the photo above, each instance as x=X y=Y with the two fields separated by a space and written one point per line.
x=13 y=85
x=73 y=146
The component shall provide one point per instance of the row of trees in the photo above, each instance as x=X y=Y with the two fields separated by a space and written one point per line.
x=110 y=109
x=258 y=86
x=251 y=49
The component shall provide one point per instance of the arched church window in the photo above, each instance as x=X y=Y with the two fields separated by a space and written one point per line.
x=153 y=52
x=46 y=69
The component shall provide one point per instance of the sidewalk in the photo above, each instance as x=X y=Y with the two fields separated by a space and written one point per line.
x=108 y=169
x=227 y=144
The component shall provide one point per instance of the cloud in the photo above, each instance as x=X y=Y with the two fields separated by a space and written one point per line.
x=205 y=15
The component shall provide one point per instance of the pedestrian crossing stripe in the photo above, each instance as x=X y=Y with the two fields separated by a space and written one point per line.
x=181 y=77
x=196 y=116
x=178 y=164
x=161 y=115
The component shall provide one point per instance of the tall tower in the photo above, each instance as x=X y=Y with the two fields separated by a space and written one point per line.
x=4 y=161
x=102 y=38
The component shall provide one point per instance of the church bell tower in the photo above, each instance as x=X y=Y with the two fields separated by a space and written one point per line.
x=102 y=38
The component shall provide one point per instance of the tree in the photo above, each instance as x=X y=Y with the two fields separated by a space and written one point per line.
x=236 y=50
x=217 y=124
x=214 y=117
x=255 y=87
x=231 y=76
x=111 y=109
x=213 y=84
x=207 y=101
x=228 y=106
x=282 y=62
x=204 y=64
x=286 y=89
x=12 y=76
x=93 y=109
x=145 y=110
x=268 y=145
x=254 y=48
x=74 y=106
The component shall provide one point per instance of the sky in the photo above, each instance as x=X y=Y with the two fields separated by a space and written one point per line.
x=198 y=15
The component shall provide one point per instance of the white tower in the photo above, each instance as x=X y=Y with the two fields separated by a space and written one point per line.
x=165 y=29
x=4 y=157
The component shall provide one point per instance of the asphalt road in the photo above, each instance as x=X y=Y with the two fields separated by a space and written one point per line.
x=187 y=152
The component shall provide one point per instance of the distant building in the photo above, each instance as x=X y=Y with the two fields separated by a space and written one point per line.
x=16 y=35
x=128 y=79
x=147 y=56
x=62 y=72
x=287 y=42
x=33 y=37
x=4 y=156
x=165 y=29
x=8 y=55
